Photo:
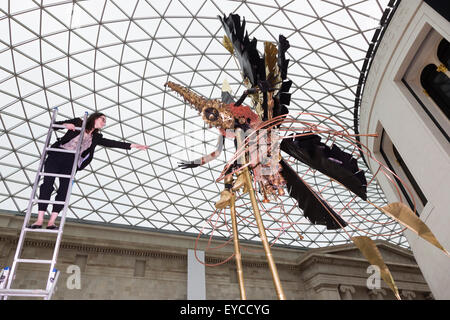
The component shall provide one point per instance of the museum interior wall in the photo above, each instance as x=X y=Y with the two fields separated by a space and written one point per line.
x=407 y=103
x=123 y=263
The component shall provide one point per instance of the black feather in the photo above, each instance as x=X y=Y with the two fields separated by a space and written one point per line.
x=283 y=45
x=314 y=208
x=252 y=64
x=282 y=99
x=285 y=98
x=333 y=162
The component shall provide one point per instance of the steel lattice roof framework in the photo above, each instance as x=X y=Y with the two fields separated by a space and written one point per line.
x=115 y=56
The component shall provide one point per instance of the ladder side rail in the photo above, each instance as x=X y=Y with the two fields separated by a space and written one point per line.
x=64 y=211
x=30 y=204
x=4 y=277
x=52 y=286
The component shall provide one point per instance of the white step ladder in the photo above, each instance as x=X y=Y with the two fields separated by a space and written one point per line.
x=7 y=275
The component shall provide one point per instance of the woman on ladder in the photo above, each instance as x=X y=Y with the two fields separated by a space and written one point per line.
x=62 y=162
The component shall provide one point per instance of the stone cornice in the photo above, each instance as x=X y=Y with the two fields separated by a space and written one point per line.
x=250 y=263
x=82 y=248
x=350 y=247
x=312 y=258
x=336 y=280
x=134 y=242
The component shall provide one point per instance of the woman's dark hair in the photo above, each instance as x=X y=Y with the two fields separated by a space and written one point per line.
x=90 y=122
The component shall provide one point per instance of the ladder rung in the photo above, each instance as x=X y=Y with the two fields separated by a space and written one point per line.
x=49 y=201
x=61 y=126
x=34 y=261
x=61 y=150
x=24 y=292
x=45 y=174
x=41 y=230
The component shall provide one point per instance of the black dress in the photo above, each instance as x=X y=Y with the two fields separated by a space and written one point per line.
x=62 y=163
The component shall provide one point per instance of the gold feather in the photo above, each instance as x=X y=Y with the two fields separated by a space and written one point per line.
x=373 y=255
x=270 y=55
x=228 y=44
x=403 y=214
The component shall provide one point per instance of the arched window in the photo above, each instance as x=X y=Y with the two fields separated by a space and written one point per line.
x=437 y=85
x=443 y=52
x=427 y=78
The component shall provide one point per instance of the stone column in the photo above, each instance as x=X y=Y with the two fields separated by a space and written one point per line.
x=408 y=295
x=347 y=292
x=327 y=292
x=4 y=251
x=377 y=294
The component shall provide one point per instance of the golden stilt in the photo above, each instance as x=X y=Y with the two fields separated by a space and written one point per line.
x=237 y=250
x=259 y=222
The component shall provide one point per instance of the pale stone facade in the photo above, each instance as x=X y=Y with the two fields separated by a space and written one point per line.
x=122 y=263
x=394 y=103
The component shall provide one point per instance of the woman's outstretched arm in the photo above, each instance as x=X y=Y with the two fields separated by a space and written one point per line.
x=119 y=144
x=139 y=146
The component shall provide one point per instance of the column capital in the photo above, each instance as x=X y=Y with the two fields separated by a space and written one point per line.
x=346 y=288
x=347 y=291
x=377 y=294
x=408 y=294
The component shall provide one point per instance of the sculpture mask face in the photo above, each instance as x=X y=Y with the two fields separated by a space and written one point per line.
x=211 y=114
x=216 y=114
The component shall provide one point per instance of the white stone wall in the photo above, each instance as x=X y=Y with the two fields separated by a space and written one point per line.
x=111 y=267
x=388 y=104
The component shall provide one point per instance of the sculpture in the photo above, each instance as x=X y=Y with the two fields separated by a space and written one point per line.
x=258 y=164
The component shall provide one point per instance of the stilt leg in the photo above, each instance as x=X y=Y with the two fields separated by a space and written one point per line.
x=259 y=222
x=237 y=251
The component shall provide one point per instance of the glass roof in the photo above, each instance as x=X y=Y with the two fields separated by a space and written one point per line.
x=115 y=57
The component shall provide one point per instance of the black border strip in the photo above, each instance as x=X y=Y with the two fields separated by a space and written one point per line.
x=440 y=6
x=370 y=55
x=386 y=159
